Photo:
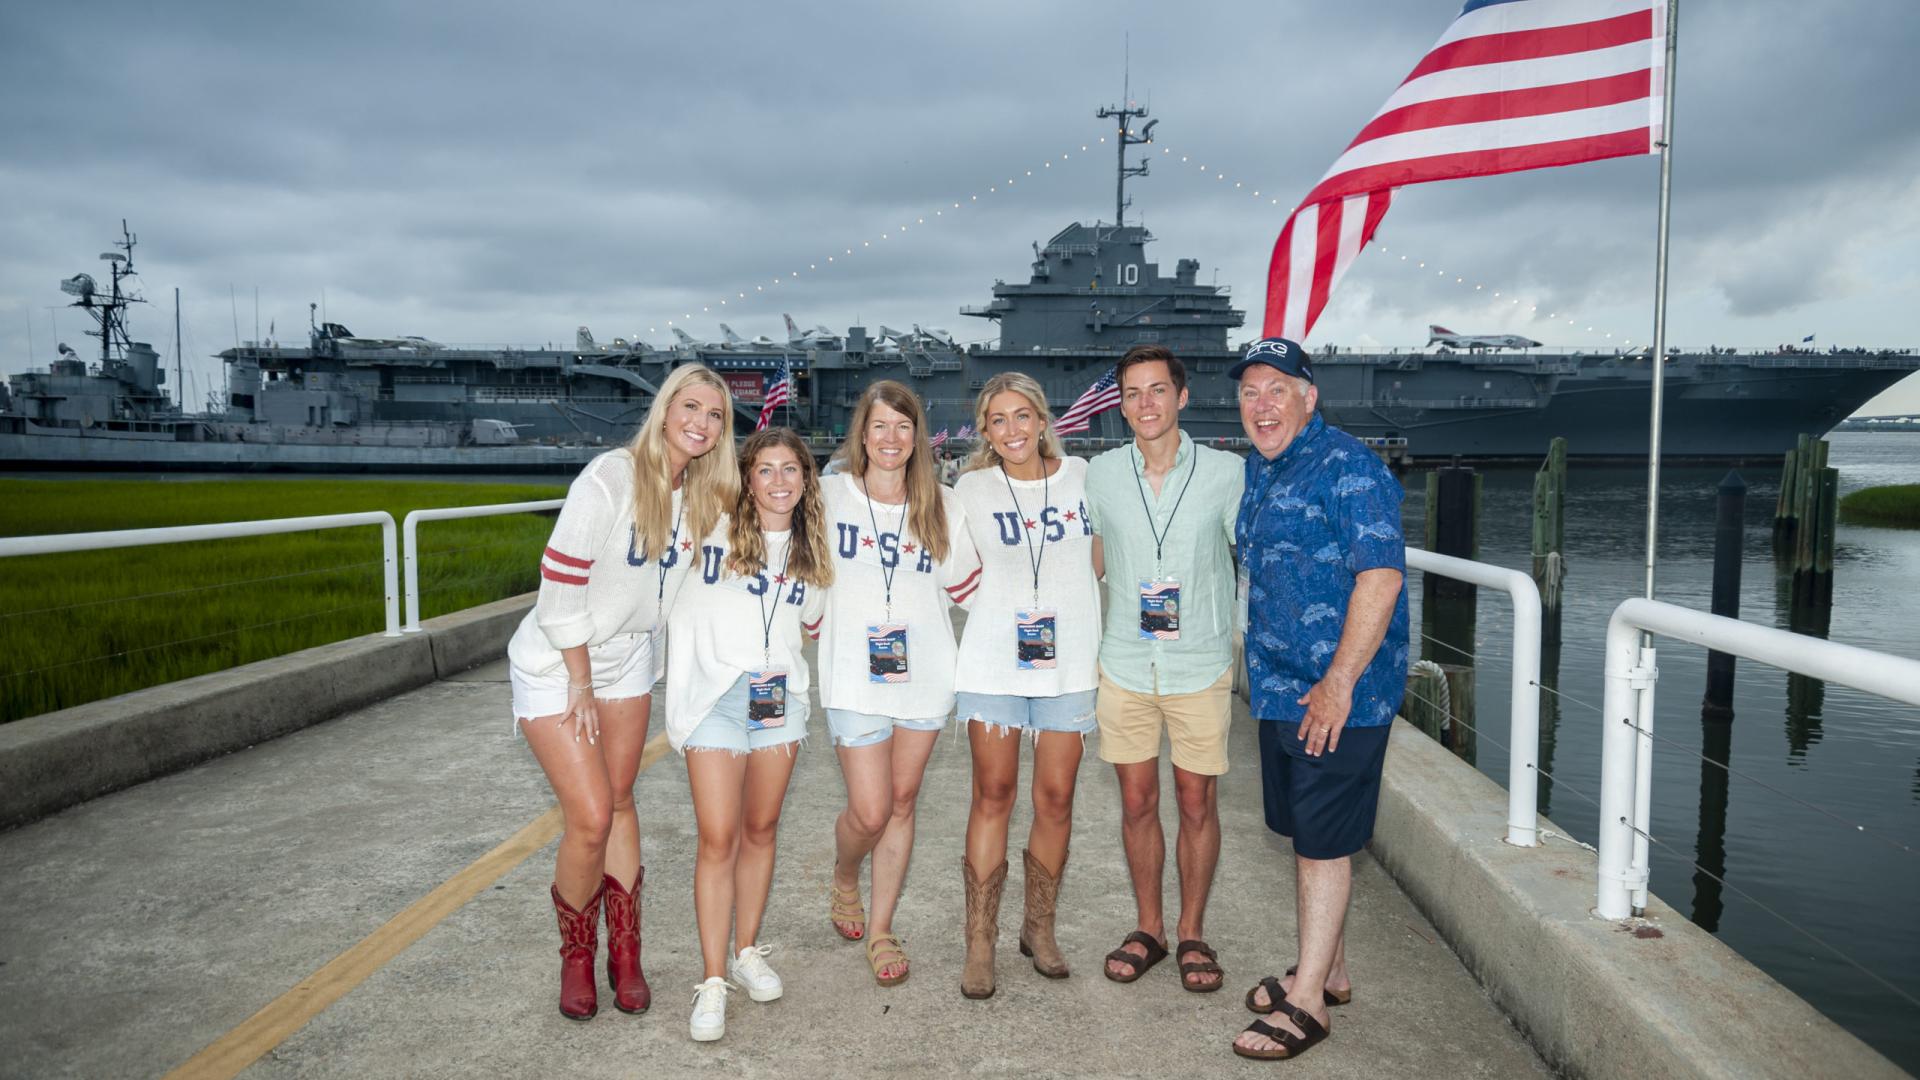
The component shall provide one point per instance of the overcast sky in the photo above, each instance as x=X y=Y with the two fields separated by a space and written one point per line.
x=516 y=170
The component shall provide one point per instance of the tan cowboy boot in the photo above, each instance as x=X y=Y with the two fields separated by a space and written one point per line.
x=1036 y=932
x=983 y=926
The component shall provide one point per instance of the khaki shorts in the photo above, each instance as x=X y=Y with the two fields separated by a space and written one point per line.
x=1196 y=725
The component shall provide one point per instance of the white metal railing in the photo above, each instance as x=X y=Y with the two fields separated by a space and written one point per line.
x=55 y=543
x=1523 y=740
x=411 y=530
x=1626 y=744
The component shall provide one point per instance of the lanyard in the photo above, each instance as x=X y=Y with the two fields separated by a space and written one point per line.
x=660 y=595
x=1032 y=557
x=886 y=572
x=1160 y=535
x=766 y=617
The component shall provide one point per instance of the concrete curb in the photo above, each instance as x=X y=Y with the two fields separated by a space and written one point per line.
x=53 y=761
x=1651 y=997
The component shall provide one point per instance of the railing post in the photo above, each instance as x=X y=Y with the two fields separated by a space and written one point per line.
x=1617 y=767
x=410 y=548
x=1523 y=762
x=1645 y=676
x=391 y=577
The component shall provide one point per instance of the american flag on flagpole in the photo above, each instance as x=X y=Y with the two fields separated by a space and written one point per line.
x=779 y=392
x=941 y=437
x=1510 y=85
x=965 y=432
x=1104 y=394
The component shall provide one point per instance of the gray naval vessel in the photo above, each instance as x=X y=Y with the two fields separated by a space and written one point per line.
x=346 y=403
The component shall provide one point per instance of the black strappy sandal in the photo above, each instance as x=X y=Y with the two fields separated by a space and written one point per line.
x=1291 y=1045
x=1276 y=993
x=1209 y=966
x=1137 y=965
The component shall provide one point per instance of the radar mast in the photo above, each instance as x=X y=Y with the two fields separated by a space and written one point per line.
x=1126 y=136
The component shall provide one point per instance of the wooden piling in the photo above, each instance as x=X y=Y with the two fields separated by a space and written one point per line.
x=1426 y=704
x=1462 y=735
x=1550 y=536
x=1728 y=538
x=1783 y=505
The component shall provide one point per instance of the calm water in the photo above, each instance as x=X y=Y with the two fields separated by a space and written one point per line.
x=1846 y=752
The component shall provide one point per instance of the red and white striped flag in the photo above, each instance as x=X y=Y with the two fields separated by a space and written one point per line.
x=1104 y=394
x=939 y=438
x=1511 y=85
x=779 y=392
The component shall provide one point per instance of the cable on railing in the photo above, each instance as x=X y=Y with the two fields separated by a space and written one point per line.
x=194 y=589
x=191 y=640
x=1450 y=646
x=1810 y=935
x=1815 y=807
x=1508 y=751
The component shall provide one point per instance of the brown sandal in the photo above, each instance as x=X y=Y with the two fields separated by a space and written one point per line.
x=883 y=950
x=1291 y=1045
x=1209 y=966
x=1139 y=965
x=1275 y=993
x=844 y=907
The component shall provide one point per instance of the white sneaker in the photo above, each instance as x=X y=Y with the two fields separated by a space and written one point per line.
x=709 y=1010
x=752 y=972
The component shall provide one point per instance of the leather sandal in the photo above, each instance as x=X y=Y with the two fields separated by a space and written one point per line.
x=1209 y=966
x=844 y=907
x=1276 y=993
x=1291 y=1045
x=884 y=950
x=1137 y=965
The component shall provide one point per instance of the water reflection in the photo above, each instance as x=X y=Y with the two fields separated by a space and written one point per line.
x=1549 y=721
x=1710 y=846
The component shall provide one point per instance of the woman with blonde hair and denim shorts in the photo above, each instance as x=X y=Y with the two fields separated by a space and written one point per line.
x=582 y=663
x=901 y=558
x=737 y=689
x=1028 y=661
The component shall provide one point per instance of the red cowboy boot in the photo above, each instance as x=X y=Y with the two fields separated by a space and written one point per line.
x=630 y=992
x=579 y=939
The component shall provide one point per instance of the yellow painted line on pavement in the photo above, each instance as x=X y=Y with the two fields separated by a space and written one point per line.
x=228 y=1055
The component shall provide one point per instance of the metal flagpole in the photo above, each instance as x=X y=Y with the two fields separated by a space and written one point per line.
x=1660 y=292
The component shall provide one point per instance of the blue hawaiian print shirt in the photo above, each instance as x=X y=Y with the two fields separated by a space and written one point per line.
x=1323 y=510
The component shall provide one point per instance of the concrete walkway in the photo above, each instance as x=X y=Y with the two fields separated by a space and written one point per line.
x=144 y=926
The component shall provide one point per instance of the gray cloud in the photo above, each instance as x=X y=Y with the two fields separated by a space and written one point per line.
x=493 y=172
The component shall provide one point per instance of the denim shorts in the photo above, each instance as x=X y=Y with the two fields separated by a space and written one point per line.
x=1064 y=712
x=725 y=728
x=851 y=728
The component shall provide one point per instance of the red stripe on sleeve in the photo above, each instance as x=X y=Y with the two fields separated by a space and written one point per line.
x=966 y=586
x=568 y=560
x=551 y=574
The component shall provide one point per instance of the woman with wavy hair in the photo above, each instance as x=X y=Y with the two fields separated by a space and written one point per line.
x=582 y=663
x=886 y=651
x=737 y=704
x=1027 y=662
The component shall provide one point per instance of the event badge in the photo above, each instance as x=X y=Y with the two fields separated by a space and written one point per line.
x=766 y=699
x=1034 y=639
x=1160 y=610
x=1241 y=589
x=887 y=652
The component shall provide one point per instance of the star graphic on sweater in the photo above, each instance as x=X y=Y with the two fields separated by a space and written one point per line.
x=779 y=579
x=1030 y=523
x=866 y=541
x=686 y=545
x=1069 y=515
x=908 y=548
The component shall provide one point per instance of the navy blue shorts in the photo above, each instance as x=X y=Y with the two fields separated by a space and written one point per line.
x=1326 y=804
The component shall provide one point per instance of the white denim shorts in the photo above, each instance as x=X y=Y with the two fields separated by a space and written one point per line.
x=622 y=668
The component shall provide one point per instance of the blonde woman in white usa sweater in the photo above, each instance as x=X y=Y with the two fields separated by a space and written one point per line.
x=582 y=664
x=737 y=705
x=886 y=652
x=1028 y=661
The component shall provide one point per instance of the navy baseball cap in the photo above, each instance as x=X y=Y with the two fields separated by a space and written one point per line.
x=1278 y=353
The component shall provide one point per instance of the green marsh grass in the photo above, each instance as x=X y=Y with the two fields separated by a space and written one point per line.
x=81 y=626
x=1892 y=505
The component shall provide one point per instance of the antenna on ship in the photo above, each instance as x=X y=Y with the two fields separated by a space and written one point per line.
x=1126 y=137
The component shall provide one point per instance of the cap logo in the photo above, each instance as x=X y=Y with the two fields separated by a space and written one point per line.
x=1277 y=348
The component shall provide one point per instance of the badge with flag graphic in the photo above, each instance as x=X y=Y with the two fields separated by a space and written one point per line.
x=1160 y=610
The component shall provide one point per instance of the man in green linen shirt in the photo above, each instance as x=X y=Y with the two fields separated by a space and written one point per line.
x=1163 y=512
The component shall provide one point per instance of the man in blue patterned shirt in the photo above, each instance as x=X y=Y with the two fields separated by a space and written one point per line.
x=1323 y=569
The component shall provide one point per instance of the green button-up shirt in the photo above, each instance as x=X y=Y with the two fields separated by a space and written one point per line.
x=1195 y=548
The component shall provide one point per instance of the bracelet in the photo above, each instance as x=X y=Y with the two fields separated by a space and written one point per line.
x=588 y=686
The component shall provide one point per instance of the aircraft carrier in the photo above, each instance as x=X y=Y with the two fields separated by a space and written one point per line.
x=341 y=402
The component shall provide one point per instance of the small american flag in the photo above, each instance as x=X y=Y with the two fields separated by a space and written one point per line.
x=779 y=392
x=1510 y=85
x=1104 y=394
x=965 y=432
x=939 y=438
